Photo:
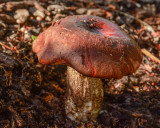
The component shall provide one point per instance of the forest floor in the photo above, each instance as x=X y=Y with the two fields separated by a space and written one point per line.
x=32 y=95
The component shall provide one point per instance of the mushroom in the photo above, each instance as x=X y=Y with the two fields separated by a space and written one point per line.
x=93 y=48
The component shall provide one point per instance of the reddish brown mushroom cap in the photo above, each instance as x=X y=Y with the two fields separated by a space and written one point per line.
x=91 y=45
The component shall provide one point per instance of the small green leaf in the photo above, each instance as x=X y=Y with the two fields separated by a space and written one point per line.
x=34 y=37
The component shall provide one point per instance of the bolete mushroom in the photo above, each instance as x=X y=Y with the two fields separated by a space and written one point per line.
x=93 y=48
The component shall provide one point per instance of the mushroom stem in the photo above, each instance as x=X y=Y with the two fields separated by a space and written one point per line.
x=84 y=96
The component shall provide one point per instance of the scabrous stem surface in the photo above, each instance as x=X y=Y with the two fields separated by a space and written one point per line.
x=84 y=96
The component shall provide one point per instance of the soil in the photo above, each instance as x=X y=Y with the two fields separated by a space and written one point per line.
x=32 y=95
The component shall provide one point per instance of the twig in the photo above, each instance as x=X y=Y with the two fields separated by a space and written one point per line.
x=7 y=74
x=20 y=122
x=8 y=61
x=147 y=26
x=119 y=108
x=40 y=8
x=7 y=18
x=58 y=88
x=12 y=49
x=145 y=52
x=10 y=6
x=133 y=114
